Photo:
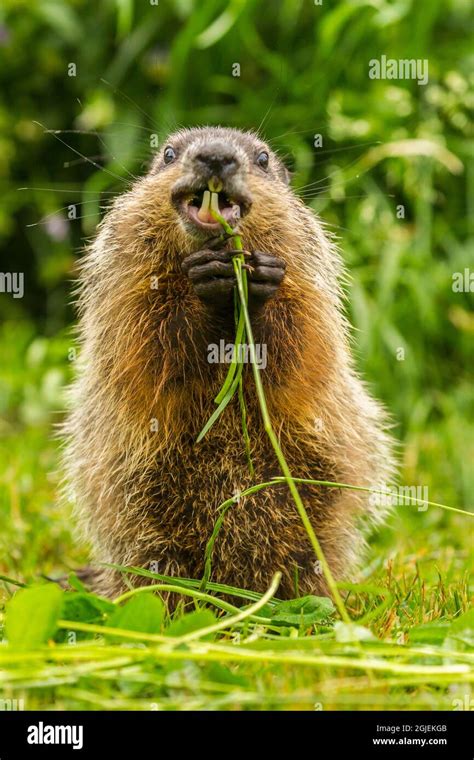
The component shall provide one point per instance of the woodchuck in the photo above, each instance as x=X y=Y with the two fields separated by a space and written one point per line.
x=155 y=295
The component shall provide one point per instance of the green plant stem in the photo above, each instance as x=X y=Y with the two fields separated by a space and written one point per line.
x=286 y=470
x=239 y=616
x=242 y=289
x=233 y=380
x=278 y=480
x=91 y=650
x=239 y=338
x=220 y=588
x=243 y=411
x=210 y=544
x=225 y=400
x=239 y=331
x=199 y=595
x=217 y=652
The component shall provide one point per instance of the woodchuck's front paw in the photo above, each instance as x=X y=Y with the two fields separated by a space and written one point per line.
x=213 y=277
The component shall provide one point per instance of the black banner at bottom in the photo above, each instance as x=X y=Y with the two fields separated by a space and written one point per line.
x=119 y=734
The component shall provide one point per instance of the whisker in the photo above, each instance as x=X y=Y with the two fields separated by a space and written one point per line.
x=127 y=97
x=350 y=147
x=137 y=126
x=94 y=132
x=115 y=158
x=52 y=214
x=346 y=197
x=290 y=132
x=316 y=192
x=97 y=166
x=45 y=220
x=336 y=226
x=66 y=190
x=328 y=176
x=267 y=113
x=78 y=161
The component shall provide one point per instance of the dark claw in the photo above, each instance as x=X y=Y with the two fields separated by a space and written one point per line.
x=234 y=251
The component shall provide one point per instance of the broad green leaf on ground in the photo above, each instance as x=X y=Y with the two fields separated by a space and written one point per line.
x=304 y=611
x=462 y=629
x=143 y=613
x=459 y=631
x=32 y=614
x=224 y=675
x=430 y=633
x=193 y=621
x=85 y=607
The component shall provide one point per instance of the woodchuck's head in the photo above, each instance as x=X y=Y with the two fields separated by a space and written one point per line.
x=246 y=171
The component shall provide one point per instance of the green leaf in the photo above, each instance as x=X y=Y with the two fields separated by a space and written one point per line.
x=124 y=17
x=193 y=621
x=462 y=629
x=143 y=613
x=32 y=615
x=62 y=20
x=76 y=582
x=85 y=607
x=304 y=611
x=429 y=633
x=221 y=25
x=464 y=623
x=459 y=631
x=222 y=674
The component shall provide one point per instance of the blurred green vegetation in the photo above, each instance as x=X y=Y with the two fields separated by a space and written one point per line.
x=142 y=70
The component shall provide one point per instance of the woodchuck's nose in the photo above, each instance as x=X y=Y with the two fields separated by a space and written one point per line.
x=218 y=159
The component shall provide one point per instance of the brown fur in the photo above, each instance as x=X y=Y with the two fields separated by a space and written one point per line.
x=146 y=496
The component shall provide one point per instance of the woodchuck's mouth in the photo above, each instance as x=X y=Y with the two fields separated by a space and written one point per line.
x=197 y=208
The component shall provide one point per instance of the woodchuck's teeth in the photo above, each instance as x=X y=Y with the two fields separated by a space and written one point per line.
x=215 y=202
x=203 y=212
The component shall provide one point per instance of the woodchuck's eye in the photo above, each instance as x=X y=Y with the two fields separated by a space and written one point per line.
x=169 y=154
x=262 y=160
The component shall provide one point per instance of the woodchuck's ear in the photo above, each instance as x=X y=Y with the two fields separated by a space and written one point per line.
x=285 y=174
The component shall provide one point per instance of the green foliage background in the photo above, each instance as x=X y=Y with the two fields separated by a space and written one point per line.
x=143 y=69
